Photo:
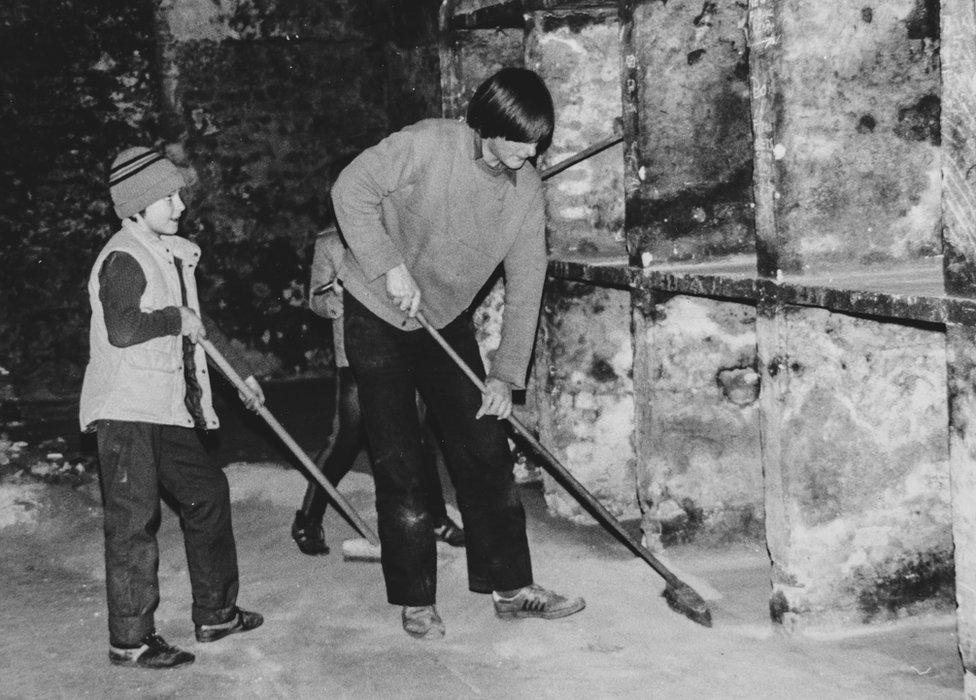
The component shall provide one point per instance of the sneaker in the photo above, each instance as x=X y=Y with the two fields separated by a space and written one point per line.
x=536 y=601
x=422 y=622
x=240 y=621
x=152 y=652
x=449 y=531
x=308 y=535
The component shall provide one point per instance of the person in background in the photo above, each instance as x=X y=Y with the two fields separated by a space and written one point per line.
x=428 y=214
x=348 y=437
x=147 y=393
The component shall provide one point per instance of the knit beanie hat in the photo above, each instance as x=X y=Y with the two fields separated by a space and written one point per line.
x=139 y=177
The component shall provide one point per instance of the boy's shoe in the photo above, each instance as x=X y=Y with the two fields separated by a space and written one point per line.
x=422 y=622
x=308 y=535
x=241 y=621
x=448 y=531
x=152 y=652
x=536 y=601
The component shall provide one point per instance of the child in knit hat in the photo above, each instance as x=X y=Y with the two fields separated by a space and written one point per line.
x=147 y=393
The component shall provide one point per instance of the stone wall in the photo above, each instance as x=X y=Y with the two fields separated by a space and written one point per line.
x=859 y=154
x=689 y=136
x=77 y=84
x=275 y=98
x=259 y=102
x=857 y=504
x=697 y=420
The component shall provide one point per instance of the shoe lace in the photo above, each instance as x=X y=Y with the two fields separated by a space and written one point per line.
x=154 y=641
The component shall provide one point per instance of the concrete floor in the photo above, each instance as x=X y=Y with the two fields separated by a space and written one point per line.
x=330 y=633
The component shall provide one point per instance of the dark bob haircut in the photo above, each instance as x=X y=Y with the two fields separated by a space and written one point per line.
x=514 y=104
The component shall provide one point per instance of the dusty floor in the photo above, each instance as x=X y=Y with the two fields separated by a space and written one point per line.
x=329 y=632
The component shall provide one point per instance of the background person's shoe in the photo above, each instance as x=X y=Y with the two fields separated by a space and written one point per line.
x=422 y=622
x=308 y=535
x=448 y=531
x=536 y=601
x=153 y=652
x=242 y=621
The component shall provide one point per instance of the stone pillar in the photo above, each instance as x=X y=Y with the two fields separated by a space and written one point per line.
x=696 y=429
x=583 y=391
x=846 y=178
x=958 y=23
x=688 y=169
x=961 y=342
x=687 y=131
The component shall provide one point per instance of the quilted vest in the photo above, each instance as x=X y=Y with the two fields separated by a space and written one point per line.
x=145 y=382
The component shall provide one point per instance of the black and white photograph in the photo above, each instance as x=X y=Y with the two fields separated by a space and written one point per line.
x=488 y=348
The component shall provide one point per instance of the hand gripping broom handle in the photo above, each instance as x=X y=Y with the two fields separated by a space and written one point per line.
x=554 y=467
x=311 y=470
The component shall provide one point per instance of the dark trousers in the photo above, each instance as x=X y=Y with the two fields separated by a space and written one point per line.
x=137 y=462
x=348 y=439
x=390 y=366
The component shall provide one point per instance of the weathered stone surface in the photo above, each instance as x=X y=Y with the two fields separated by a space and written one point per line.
x=859 y=154
x=856 y=469
x=960 y=344
x=294 y=20
x=580 y=56
x=696 y=430
x=689 y=171
x=584 y=395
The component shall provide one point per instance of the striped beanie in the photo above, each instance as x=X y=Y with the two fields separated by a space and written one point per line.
x=139 y=177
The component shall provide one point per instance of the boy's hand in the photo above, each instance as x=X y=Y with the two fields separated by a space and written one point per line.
x=403 y=290
x=497 y=400
x=255 y=400
x=191 y=325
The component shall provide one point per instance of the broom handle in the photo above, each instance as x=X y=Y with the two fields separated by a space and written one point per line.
x=581 y=156
x=340 y=503
x=557 y=469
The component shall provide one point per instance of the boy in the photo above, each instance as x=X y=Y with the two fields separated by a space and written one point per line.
x=428 y=214
x=147 y=393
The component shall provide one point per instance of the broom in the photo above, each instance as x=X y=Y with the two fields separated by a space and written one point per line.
x=346 y=510
x=680 y=596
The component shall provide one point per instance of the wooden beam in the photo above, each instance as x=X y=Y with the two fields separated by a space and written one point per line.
x=958 y=55
x=961 y=357
x=774 y=254
x=958 y=52
x=452 y=87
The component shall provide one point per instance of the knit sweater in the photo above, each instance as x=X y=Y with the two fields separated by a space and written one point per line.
x=425 y=197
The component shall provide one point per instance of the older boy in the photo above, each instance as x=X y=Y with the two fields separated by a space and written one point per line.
x=428 y=214
x=147 y=393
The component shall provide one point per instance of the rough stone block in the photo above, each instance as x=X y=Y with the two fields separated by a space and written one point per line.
x=697 y=428
x=584 y=395
x=579 y=57
x=855 y=456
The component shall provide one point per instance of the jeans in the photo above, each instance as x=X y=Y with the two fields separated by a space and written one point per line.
x=391 y=365
x=348 y=438
x=136 y=462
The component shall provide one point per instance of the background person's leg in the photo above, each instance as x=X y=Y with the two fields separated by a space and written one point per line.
x=347 y=441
